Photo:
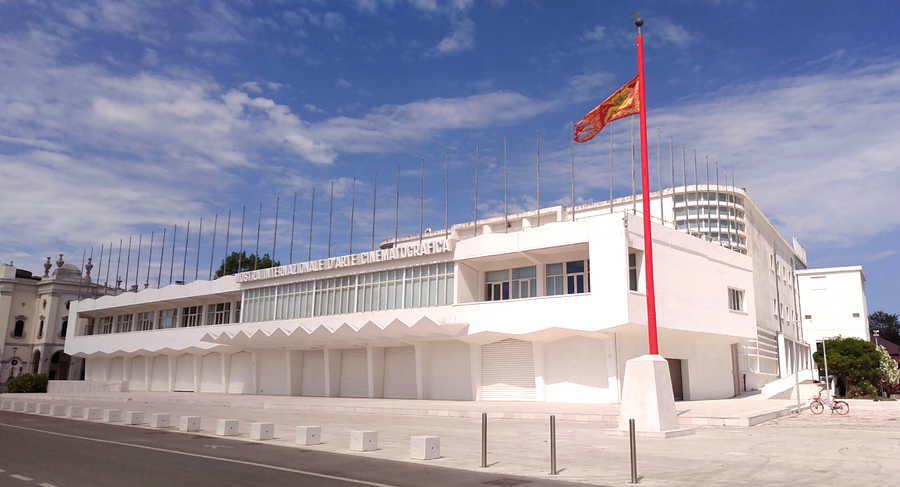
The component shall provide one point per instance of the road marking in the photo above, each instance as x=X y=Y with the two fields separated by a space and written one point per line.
x=45 y=484
x=199 y=455
x=20 y=477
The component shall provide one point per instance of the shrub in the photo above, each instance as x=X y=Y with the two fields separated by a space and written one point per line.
x=27 y=383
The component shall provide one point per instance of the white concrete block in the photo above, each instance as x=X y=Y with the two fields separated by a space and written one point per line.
x=262 y=431
x=160 y=420
x=189 y=423
x=93 y=414
x=647 y=396
x=363 y=440
x=43 y=408
x=19 y=406
x=112 y=415
x=309 y=435
x=57 y=410
x=75 y=412
x=30 y=407
x=424 y=447
x=134 y=417
x=227 y=427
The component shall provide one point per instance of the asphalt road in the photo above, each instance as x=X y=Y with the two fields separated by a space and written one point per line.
x=46 y=451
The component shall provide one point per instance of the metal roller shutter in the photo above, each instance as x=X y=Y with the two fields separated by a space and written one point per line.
x=507 y=371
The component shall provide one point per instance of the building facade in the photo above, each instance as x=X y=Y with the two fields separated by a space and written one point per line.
x=540 y=306
x=834 y=303
x=34 y=318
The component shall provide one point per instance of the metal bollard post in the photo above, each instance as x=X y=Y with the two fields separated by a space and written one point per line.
x=631 y=443
x=483 y=440
x=553 y=470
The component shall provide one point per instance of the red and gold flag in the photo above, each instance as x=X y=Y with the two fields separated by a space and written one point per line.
x=625 y=102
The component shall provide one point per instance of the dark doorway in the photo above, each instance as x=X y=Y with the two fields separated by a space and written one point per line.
x=677 y=381
x=59 y=366
x=35 y=361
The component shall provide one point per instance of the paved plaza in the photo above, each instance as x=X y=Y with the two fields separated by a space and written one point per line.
x=807 y=450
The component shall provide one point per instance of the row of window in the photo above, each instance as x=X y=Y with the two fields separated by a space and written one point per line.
x=707 y=224
x=215 y=314
x=695 y=211
x=18 y=329
x=708 y=196
x=562 y=278
x=410 y=287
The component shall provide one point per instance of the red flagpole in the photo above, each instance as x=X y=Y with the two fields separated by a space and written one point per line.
x=645 y=192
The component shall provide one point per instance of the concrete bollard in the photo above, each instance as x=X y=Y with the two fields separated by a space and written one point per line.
x=160 y=420
x=93 y=414
x=189 y=423
x=134 y=417
x=424 y=447
x=112 y=415
x=262 y=431
x=363 y=440
x=30 y=407
x=19 y=407
x=309 y=435
x=57 y=410
x=43 y=408
x=227 y=427
x=75 y=412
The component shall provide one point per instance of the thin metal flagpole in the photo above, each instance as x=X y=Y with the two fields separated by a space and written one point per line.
x=645 y=182
x=330 y=216
x=227 y=241
x=537 y=178
x=718 y=208
x=446 y=196
x=475 y=205
x=149 y=261
x=312 y=212
x=687 y=211
x=397 y=209
x=258 y=230
x=100 y=267
x=572 y=172
x=91 y=261
x=706 y=203
x=137 y=267
x=671 y=166
x=697 y=191
x=199 y=243
x=212 y=246
x=119 y=261
x=293 y=219
x=187 y=238
x=612 y=172
x=422 y=201
x=108 y=265
x=172 y=259
x=162 y=254
x=352 y=216
x=240 y=266
x=128 y=263
x=374 y=206
x=658 y=165
x=275 y=232
x=505 y=186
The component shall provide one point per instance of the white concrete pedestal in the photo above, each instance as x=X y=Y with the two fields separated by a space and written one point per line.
x=648 y=399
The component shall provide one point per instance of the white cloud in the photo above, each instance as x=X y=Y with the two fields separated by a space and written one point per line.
x=590 y=86
x=151 y=57
x=597 y=33
x=461 y=38
x=342 y=83
x=668 y=32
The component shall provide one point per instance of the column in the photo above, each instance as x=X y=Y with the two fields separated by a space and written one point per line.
x=541 y=276
x=196 y=373
x=254 y=372
x=289 y=375
x=375 y=370
x=126 y=372
x=226 y=362
x=537 y=353
x=171 y=360
x=148 y=371
x=475 y=369
x=420 y=370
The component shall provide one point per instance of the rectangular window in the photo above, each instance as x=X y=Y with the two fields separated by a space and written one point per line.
x=191 y=315
x=555 y=280
x=106 y=324
x=576 y=277
x=123 y=323
x=496 y=285
x=218 y=314
x=145 y=321
x=633 y=271
x=89 y=327
x=735 y=299
x=524 y=282
x=167 y=318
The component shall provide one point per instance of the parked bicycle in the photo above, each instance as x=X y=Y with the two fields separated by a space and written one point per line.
x=817 y=404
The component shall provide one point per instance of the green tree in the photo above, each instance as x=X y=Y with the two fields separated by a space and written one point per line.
x=854 y=363
x=887 y=325
x=241 y=262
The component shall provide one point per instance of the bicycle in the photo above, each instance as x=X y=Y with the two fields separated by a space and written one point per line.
x=817 y=405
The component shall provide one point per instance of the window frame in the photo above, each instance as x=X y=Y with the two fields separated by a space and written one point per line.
x=737 y=296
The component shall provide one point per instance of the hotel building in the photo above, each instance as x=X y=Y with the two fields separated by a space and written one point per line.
x=539 y=306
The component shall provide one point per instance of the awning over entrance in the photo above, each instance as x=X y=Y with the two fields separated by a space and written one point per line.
x=345 y=335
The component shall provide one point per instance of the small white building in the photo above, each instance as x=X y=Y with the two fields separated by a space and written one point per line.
x=539 y=306
x=834 y=303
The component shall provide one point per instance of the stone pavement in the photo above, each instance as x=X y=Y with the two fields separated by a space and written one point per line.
x=802 y=450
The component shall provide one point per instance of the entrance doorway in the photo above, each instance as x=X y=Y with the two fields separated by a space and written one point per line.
x=677 y=380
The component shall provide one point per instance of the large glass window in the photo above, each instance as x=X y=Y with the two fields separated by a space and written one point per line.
x=335 y=295
x=524 y=282
x=735 y=299
x=218 y=314
x=496 y=285
x=106 y=324
x=191 y=315
x=145 y=320
x=568 y=278
x=633 y=271
x=123 y=323
x=167 y=318
x=380 y=290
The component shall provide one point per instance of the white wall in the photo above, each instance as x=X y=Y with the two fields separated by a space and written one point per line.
x=446 y=371
x=95 y=369
x=184 y=373
x=400 y=373
x=830 y=297
x=575 y=370
x=137 y=380
x=211 y=373
x=159 y=375
x=313 y=373
x=240 y=375
x=354 y=373
x=272 y=372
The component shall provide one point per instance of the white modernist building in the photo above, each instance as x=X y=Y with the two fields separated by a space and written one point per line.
x=540 y=306
x=834 y=303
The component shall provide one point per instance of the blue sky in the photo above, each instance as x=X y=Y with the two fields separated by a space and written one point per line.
x=119 y=117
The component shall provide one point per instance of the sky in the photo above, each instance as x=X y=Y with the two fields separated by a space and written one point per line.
x=120 y=118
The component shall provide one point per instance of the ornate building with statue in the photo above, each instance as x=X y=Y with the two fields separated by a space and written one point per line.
x=34 y=314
